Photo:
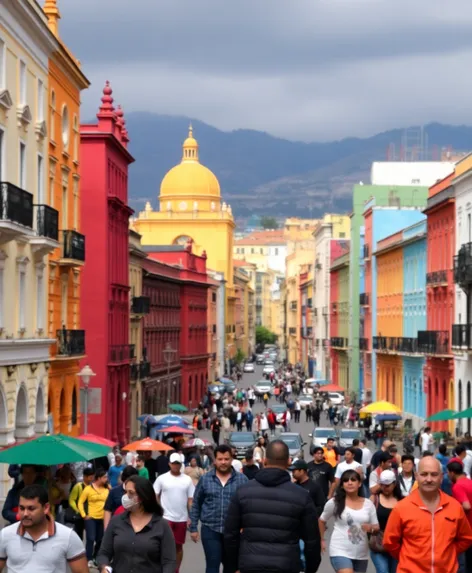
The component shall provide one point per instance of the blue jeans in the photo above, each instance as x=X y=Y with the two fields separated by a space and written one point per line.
x=93 y=537
x=213 y=548
x=383 y=562
x=357 y=565
x=302 y=554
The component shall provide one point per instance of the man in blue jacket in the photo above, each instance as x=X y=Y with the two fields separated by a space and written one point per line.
x=10 y=507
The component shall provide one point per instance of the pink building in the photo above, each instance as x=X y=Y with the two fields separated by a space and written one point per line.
x=105 y=301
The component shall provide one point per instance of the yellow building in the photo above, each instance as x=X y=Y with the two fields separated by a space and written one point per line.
x=66 y=81
x=139 y=307
x=241 y=311
x=306 y=315
x=249 y=270
x=190 y=206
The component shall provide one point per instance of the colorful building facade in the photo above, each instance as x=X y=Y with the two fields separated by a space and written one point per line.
x=63 y=170
x=105 y=292
x=306 y=319
x=339 y=320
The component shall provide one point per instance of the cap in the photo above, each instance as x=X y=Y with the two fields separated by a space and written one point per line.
x=456 y=459
x=387 y=477
x=299 y=465
x=175 y=458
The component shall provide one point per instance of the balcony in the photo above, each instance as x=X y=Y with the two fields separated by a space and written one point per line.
x=309 y=303
x=363 y=344
x=70 y=343
x=122 y=353
x=364 y=299
x=133 y=372
x=379 y=342
x=293 y=305
x=309 y=331
x=433 y=342
x=144 y=369
x=436 y=278
x=292 y=331
x=140 y=305
x=47 y=230
x=338 y=342
x=462 y=336
x=463 y=266
x=16 y=212
x=73 y=249
x=365 y=252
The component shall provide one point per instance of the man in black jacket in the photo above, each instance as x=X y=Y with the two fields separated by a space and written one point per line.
x=266 y=519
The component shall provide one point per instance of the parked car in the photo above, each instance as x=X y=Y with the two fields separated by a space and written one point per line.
x=320 y=436
x=268 y=369
x=295 y=444
x=262 y=387
x=273 y=356
x=305 y=400
x=229 y=387
x=336 y=398
x=347 y=436
x=242 y=441
x=248 y=367
x=260 y=359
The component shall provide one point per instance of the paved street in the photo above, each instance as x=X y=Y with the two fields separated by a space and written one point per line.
x=194 y=561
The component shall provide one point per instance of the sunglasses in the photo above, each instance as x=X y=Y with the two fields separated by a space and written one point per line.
x=353 y=479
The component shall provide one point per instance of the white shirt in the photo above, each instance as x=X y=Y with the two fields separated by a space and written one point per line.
x=297 y=406
x=348 y=538
x=237 y=466
x=468 y=463
x=175 y=491
x=264 y=423
x=344 y=466
x=426 y=439
x=405 y=484
x=366 y=457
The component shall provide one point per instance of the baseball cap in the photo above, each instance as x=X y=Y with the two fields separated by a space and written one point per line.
x=175 y=458
x=387 y=477
x=299 y=465
x=456 y=459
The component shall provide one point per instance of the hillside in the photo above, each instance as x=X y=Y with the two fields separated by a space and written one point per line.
x=263 y=174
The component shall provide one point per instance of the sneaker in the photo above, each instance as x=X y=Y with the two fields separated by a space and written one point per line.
x=91 y=563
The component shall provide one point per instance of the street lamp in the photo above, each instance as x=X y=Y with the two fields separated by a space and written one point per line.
x=168 y=356
x=85 y=374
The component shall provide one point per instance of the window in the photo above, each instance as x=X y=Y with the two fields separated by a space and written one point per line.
x=40 y=297
x=64 y=293
x=22 y=166
x=2 y=64
x=76 y=139
x=76 y=204
x=40 y=182
x=469 y=227
x=53 y=115
x=51 y=191
x=22 y=83
x=2 y=154
x=64 y=208
x=40 y=113
x=65 y=127
x=342 y=235
x=22 y=299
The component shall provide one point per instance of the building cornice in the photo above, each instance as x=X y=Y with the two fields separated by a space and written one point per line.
x=16 y=351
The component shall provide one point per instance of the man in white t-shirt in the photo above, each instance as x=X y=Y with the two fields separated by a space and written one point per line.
x=174 y=491
x=349 y=463
x=366 y=454
x=427 y=441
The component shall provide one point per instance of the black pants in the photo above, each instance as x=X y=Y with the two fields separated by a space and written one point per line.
x=297 y=415
x=216 y=438
x=79 y=526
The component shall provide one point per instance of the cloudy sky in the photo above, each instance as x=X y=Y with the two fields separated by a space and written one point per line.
x=301 y=69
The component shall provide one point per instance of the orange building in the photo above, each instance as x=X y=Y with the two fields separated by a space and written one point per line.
x=389 y=319
x=66 y=81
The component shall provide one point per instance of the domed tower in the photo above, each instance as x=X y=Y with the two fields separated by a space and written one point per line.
x=190 y=184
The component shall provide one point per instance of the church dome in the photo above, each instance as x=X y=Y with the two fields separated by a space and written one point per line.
x=190 y=178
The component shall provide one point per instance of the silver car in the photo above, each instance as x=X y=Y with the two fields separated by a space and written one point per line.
x=262 y=387
x=320 y=436
x=348 y=436
x=295 y=444
x=248 y=367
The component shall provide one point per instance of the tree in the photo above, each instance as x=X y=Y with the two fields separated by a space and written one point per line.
x=269 y=222
x=240 y=356
x=265 y=336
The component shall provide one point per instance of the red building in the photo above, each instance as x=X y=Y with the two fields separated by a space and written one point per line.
x=105 y=285
x=436 y=341
x=194 y=355
x=161 y=336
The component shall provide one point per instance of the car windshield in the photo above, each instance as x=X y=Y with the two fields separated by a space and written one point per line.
x=279 y=409
x=260 y=384
x=242 y=437
x=324 y=433
x=291 y=443
x=350 y=434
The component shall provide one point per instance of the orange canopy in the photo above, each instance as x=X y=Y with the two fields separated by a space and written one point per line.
x=148 y=445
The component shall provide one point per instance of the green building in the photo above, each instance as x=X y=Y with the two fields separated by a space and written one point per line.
x=385 y=196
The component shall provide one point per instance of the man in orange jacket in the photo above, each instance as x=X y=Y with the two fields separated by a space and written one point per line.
x=427 y=530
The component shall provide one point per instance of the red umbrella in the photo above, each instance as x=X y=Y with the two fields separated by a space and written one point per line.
x=97 y=440
x=148 y=445
x=177 y=430
x=332 y=388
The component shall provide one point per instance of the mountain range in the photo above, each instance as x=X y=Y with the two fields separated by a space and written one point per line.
x=265 y=175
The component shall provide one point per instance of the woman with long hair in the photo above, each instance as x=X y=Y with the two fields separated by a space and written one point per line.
x=387 y=498
x=139 y=539
x=354 y=517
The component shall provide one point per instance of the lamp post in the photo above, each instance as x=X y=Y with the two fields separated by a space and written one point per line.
x=169 y=353
x=85 y=374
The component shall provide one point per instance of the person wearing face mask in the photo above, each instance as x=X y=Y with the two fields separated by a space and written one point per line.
x=113 y=503
x=139 y=539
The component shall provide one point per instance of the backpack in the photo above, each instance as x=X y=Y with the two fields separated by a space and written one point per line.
x=417 y=439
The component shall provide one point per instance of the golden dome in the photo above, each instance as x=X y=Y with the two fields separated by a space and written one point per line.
x=190 y=178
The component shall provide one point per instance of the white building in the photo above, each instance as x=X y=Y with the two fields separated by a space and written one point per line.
x=462 y=327
x=404 y=173
x=266 y=249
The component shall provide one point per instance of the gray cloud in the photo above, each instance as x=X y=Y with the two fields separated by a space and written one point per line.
x=305 y=69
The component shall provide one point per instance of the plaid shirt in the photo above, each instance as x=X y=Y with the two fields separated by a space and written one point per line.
x=211 y=500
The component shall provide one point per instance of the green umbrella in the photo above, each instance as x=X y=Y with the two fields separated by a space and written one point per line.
x=442 y=416
x=464 y=414
x=178 y=408
x=52 y=450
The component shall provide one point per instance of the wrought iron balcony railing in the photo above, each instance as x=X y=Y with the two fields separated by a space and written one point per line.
x=70 y=342
x=134 y=371
x=122 y=352
x=292 y=330
x=47 y=222
x=293 y=305
x=140 y=304
x=338 y=342
x=462 y=336
x=436 y=278
x=433 y=341
x=16 y=205
x=363 y=344
x=463 y=265
x=364 y=299
x=365 y=251
x=144 y=369
x=73 y=246
x=379 y=342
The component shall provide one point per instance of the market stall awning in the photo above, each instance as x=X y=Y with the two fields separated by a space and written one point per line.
x=442 y=416
x=381 y=407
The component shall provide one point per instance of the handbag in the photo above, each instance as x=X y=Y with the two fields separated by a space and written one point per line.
x=376 y=542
